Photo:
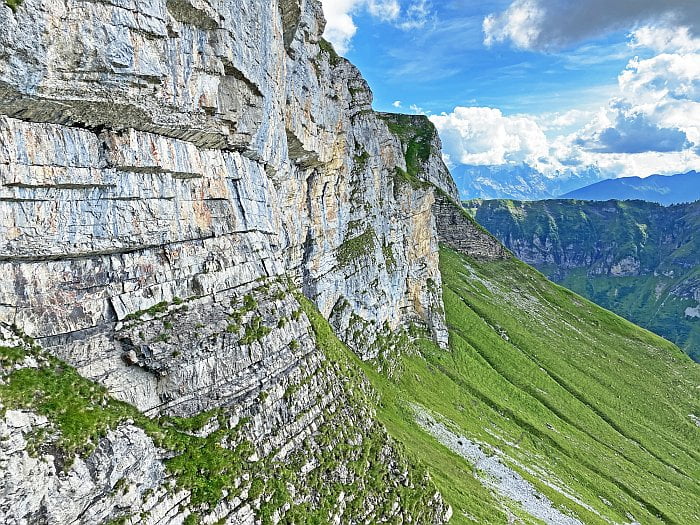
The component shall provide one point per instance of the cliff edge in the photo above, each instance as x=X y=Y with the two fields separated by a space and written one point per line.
x=176 y=179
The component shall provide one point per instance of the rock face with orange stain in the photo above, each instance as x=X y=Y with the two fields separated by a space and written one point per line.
x=196 y=148
x=170 y=172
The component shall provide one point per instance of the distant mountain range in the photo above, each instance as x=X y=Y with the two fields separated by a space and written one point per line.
x=518 y=181
x=666 y=190
x=639 y=259
x=523 y=182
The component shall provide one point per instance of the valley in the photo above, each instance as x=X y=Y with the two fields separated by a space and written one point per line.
x=638 y=259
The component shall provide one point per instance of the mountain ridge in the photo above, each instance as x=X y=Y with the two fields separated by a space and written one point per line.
x=662 y=189
x=518 y=181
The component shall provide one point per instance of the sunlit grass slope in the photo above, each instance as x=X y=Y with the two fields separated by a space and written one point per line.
x=574 y=396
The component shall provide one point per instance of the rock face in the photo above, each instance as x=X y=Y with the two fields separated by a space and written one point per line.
x=152 y=171
x=459 y=231
x=422 y=150
x=171 y=173
x=41 y=494
x=639 y=259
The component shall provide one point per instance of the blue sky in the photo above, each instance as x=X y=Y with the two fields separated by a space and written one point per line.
x=559 y=85
x=446 y=64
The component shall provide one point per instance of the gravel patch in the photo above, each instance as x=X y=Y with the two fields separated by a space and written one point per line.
x=495 y=475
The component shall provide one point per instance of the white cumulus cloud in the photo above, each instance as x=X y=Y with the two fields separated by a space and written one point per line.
x=664 y=76
x=416 y=15
x=552 y=24
x=651 y=125
x=484 y=136
x=666 y=88
x=341 y=27
x=384 y=9
x=665 y=39
x=630 y=130
x=520 y=23
x=562 y=122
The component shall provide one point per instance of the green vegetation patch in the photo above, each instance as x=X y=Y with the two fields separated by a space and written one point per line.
x=82 y=412
x=326 y=47
x=389 y=257
x=11 y=355
x=159 y=308
x=13 y=4
x=356 y=247
x=360 y=161
x=254 y=331
x=416 y=133
x=403 y=177
x=208 y=468
x=647 y=300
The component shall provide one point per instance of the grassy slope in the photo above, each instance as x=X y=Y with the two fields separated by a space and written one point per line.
x=590 y=401
x=646 y=300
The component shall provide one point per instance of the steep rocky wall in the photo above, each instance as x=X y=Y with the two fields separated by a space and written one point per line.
x=284 y=186
x=170 y=174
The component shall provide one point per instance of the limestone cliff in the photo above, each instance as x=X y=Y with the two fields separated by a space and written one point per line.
x=173 y=175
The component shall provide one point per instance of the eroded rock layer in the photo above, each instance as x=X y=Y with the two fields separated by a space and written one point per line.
x=172 y=175
x=460 y=232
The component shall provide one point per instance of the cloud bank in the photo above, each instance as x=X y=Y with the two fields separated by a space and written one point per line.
x=484 y=136
x=651 y=125
x=634 y=132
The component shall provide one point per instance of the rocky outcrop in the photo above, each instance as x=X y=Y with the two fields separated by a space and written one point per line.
x=72 y=454
x=422 y=150
x=171 y=174
x=120 y=478
x=459 y=231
